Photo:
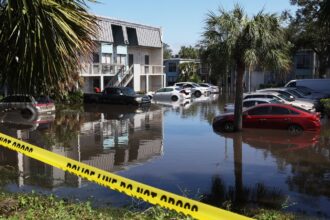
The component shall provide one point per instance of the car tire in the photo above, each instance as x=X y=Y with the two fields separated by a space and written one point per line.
x=197 y=94
x=295 y=129
x=29 y=114
x=150 y=97
x=174 y=98
x=228 y=126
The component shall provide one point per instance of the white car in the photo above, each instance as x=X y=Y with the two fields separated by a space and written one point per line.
x=172 y=93
x=247 y=103
x=196 y=89
x=289 y=93
x=213 y=88
x=282 y=98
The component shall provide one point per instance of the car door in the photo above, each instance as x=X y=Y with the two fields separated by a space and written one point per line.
x=279 y=118
x=256 y=117
x=159 y=94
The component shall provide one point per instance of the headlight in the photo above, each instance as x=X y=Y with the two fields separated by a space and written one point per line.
x=138 y=99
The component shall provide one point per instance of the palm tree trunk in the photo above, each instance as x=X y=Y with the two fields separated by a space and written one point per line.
x=238 y=168
x=239 y=96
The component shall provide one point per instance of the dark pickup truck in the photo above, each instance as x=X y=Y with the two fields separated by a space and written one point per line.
x=116 y=95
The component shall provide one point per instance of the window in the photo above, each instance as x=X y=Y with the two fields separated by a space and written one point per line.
x=279 y=111
x=161 y=90
x=172 y=67
x=96 y=58
x=106 y=57
x=121 y=59
x=303 y=61
x=259 y=111
x=292 y=84
x=248 y=104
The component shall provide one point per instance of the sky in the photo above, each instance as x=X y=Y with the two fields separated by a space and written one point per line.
x=182 y=21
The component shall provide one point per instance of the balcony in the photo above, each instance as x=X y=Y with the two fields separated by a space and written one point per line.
x=98 y=69
x=152 y=69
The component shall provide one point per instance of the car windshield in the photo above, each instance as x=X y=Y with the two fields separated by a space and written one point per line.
x=274 y=101
x=285 y=97
x=297 y=94
x=195 y=84
x=304 y=90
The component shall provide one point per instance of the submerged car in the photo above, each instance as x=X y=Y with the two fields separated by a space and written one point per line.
x=271 y=116
x=213 y=88
x=282 y=98
x=116 y=95
x=247 y=103
x=195 y=89
x=27 y=104
x=172 y=93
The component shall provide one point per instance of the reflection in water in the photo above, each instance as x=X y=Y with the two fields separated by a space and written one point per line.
x=254 y=167
x=108 y=138
x=307 y=156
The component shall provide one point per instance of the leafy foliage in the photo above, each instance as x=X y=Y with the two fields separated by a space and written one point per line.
x=188 y=52
x=42 y=44
x=310 y=29
x=167 y=51
x=243 y=42
x=188 y=72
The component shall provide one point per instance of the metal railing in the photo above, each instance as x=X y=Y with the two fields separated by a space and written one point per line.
x=101 y=69
x=152 y=69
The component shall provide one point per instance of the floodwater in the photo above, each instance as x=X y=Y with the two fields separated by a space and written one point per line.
x=172 y=146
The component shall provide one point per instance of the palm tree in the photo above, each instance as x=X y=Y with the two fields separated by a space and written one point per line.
x=42 y=44
x=246 y=42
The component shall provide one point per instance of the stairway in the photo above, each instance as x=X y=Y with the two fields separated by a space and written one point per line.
x=122 y=78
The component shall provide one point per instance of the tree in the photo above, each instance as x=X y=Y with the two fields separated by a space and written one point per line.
x=188 y=52
x=43 y=43
x=188 y=72
x=167 y=52
x=244 y=42
x=311 y=30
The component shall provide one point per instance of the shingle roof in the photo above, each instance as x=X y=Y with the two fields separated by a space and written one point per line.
x=147 y=36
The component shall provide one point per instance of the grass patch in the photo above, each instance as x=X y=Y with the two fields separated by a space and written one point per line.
x=34 y=206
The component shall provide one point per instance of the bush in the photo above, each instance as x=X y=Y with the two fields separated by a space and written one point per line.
x=73 y=98
x=325 y=106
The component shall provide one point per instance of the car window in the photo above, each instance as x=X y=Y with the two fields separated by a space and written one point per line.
x=161 y=90
x=179 y=84
x=187 y=86
x=259 y=111
x=292 y=112
x=279 y=111
x=169 y=89
x=292 y=84
x=261 y=102
x=128 y=91
x=247 y=104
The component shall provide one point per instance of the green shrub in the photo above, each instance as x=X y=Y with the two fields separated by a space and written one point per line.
x=325 y=106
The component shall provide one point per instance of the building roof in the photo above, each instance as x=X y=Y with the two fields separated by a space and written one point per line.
x=127 y=33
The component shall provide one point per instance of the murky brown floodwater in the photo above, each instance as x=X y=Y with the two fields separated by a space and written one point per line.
x=173 y=147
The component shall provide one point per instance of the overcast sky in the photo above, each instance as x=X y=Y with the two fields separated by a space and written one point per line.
x=182 y=21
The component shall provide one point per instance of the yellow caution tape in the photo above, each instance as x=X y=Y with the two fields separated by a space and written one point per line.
x=132 y=188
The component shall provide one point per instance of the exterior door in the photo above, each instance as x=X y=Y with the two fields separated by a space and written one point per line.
x=146 y=62
x=130 y=60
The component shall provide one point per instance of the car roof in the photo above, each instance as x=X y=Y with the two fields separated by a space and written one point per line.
x=279 y=105
x=257 y=99
x=261 y=93
x=277 y=88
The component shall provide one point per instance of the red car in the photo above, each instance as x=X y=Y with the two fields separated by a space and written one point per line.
x=271 y=116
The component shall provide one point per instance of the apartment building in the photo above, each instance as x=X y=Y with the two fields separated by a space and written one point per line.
x=127 y=54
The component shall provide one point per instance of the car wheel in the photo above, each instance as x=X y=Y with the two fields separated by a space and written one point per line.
x=228 y=126
x=174 y=98
x=295 y=129
x=150 y=97
x=197 y=94
x=28 y=114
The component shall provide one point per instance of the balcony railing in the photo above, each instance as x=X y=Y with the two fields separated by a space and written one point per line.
x=101 y=69
x=152 y=69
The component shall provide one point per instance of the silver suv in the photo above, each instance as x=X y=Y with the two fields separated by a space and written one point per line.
x=27 y=104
